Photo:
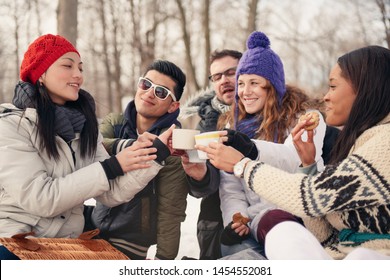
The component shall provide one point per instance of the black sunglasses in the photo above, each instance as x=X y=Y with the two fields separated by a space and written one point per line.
x=159 y=91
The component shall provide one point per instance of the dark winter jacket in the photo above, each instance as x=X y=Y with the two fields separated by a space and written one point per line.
x=155 y=214
x=210 y=223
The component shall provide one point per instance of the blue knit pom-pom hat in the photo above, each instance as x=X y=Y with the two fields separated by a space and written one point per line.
x=259 y=59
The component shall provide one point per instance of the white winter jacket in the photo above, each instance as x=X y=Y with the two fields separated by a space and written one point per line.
x=46 y=196
x=235 y=197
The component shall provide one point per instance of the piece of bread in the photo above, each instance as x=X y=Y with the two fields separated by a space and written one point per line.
x=239 y=218
x=313 y=117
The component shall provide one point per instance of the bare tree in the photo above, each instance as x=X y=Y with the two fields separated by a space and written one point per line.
x=16 y=37
x=2 y=73
x=67 y=19
x=33 y=5
x=363 y=29
x=252 y=16
x=187 y=44
x=38 y=16
x=384 y=6
x=207 y=44
x=144 y=35
x=105 y=54
x=117 y=71
x=119 y=38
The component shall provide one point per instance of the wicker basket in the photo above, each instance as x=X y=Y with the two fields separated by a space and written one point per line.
x=82 y=248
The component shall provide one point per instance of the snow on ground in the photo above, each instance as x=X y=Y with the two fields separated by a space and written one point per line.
x=188 y=242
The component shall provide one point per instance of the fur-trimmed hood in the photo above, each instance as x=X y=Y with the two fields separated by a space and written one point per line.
x=192 y=104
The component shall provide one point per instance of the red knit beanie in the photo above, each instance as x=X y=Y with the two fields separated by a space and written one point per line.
x=41 y=54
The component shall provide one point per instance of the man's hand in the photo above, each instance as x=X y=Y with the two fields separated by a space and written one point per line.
x=146 y=136
x=195 y=170
x=166 y=137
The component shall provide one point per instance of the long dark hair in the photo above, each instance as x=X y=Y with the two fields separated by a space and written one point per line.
x=46 y=122
x=368 y=71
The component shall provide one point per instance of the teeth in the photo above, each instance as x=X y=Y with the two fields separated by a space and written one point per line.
x=250 y=101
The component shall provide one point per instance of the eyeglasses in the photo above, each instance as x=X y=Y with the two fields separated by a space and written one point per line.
x=159 y=91
x=227 y=73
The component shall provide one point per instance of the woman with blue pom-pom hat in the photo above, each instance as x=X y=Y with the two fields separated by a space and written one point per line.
x=266 y=109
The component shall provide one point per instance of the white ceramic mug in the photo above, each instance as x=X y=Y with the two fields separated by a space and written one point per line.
x=204 y=139
x=193 y=156
x=183 y=139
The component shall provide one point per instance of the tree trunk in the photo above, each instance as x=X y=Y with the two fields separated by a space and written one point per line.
x=67 y=20
x=252 y=16
x=106 y=59
x=207 y=44
x=187 y=44
x=385 y=18
x=116 y=73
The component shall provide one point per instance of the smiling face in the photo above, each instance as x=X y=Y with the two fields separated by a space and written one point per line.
x=339 y=98
x=252 y=92
x=149 y=107
x=64 y=78
x=225 y=86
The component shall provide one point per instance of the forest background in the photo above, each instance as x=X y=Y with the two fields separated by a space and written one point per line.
x=117 y=39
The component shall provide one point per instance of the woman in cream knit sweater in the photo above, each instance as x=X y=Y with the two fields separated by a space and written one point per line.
x=345 y=208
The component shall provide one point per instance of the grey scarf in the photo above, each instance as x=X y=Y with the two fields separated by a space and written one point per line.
x=219 y=106
x=68 y=121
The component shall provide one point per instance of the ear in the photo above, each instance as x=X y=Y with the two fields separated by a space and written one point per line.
x=174 y=106
x=41 y=78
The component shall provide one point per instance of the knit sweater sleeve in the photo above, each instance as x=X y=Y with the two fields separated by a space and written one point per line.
x=361 y=180
x=112 y=143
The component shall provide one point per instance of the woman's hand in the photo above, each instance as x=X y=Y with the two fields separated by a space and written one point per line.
x=221 y=156
x=306 y=150
x=240 y=229
x=136 y=156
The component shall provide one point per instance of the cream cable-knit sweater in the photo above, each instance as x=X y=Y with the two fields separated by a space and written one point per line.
x=353 y=194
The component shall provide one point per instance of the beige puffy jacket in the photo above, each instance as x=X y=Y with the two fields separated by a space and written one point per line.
x=46 y=196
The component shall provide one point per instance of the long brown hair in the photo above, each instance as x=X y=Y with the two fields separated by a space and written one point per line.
x=277 y=121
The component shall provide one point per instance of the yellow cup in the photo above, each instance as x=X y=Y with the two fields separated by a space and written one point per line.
x=204 y=139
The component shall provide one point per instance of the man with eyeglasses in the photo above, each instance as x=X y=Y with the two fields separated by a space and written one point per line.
x=155 y=214
x=212 y=107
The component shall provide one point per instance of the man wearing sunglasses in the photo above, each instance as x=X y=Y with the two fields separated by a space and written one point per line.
x=155 y=214
x=212 y=107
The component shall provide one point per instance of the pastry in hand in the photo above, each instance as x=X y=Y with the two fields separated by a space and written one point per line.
x=313 y=117
x=238 y=218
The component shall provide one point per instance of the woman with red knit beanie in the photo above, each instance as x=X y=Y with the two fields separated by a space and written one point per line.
x=52 y=157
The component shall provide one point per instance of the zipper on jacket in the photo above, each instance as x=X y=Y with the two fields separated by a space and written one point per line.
x=73 y=153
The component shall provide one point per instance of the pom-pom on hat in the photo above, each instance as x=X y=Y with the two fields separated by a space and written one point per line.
x=41 y=54
x=259 y=59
